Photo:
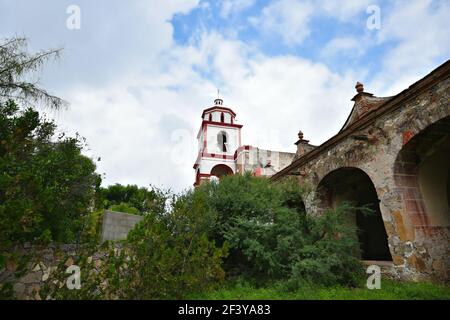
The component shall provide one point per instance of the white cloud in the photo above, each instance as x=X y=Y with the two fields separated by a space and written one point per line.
x=349 y=45
x=289 y=19
x=274 y=97
x=343 y=9
x=230 y=7
x=144 y=126
x=418 y=32
x=143 y=121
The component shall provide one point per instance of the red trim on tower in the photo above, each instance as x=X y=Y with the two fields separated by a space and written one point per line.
x=222 y=124
x=213 y=156
x=218 y=156
x=198 y=178
x=220 y=109
x=218 y=124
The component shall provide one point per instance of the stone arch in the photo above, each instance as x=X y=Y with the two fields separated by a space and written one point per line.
x=422 y=178
x=353 y=185
x=422 y=173
x=221 y=170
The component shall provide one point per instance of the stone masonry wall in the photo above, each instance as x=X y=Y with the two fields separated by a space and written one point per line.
x=419 y=249
x=29 y=268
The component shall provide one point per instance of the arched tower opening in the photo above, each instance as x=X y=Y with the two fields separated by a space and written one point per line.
x=222 y=141
x=221 y=170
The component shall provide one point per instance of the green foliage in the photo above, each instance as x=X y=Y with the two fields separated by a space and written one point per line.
x=16 y=66
x=124 y=207
x=166 y=256
x=239 y=289
x=329 y=254
x=6 y=291
x=45 y=237
x=131 y=197
x=271 y=237
x=92 y=227
x=171 y=253
x=2 y=261
x=46 y=184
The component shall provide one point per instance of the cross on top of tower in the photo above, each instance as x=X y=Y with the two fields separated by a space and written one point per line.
x=218 y=101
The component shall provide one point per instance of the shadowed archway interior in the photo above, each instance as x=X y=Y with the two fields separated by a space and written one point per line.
x=422 y=173
x=221 y=170
x=354 y=186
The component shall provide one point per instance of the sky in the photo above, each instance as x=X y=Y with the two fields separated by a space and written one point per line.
x=138 y=74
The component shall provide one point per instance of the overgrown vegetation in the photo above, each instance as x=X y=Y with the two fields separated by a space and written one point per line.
x=271 y=237
x=173 y=254
x=243 y=226
x=390 y=290
x=130 y=199
x=46 y=184
x=167 y=256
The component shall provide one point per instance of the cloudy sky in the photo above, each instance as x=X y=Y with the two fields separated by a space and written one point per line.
x=138 y=74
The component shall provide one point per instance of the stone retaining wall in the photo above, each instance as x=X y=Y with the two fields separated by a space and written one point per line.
x=29 y=268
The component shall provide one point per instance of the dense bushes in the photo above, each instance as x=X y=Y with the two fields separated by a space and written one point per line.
x=180 y=248
x=243 y=226
x=130 y=198
x=167 y=256
x=46 y=185
x=270 y=235
x=172 y=253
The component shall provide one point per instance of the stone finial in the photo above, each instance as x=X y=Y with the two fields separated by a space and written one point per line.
x=302 y=145
x=359 y=87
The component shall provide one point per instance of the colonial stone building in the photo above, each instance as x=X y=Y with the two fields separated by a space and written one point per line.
x=392 y=154
x=220 y=151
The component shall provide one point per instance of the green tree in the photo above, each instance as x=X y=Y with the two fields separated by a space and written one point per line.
x=124 y=207
x=271 y=237
x=172 y=253
x=168 y=255
x=46 y=184
x=130 y=197
x=17 y=67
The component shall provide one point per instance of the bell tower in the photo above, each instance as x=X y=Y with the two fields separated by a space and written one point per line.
x=219 y=137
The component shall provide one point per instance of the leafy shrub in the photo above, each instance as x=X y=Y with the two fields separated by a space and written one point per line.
x=171 y=252
x=46 y=184
x=92 y=227
x=124 y=207
x=270 y=235
x=180 y=248
x=166 y=256
x=140 y=198
x=329 y=254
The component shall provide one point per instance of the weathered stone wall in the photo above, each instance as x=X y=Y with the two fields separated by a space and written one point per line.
x=29 y=268
x=116 y=225
x=419 y=248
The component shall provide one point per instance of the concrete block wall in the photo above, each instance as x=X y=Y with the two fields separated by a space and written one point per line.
x=116 y=225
